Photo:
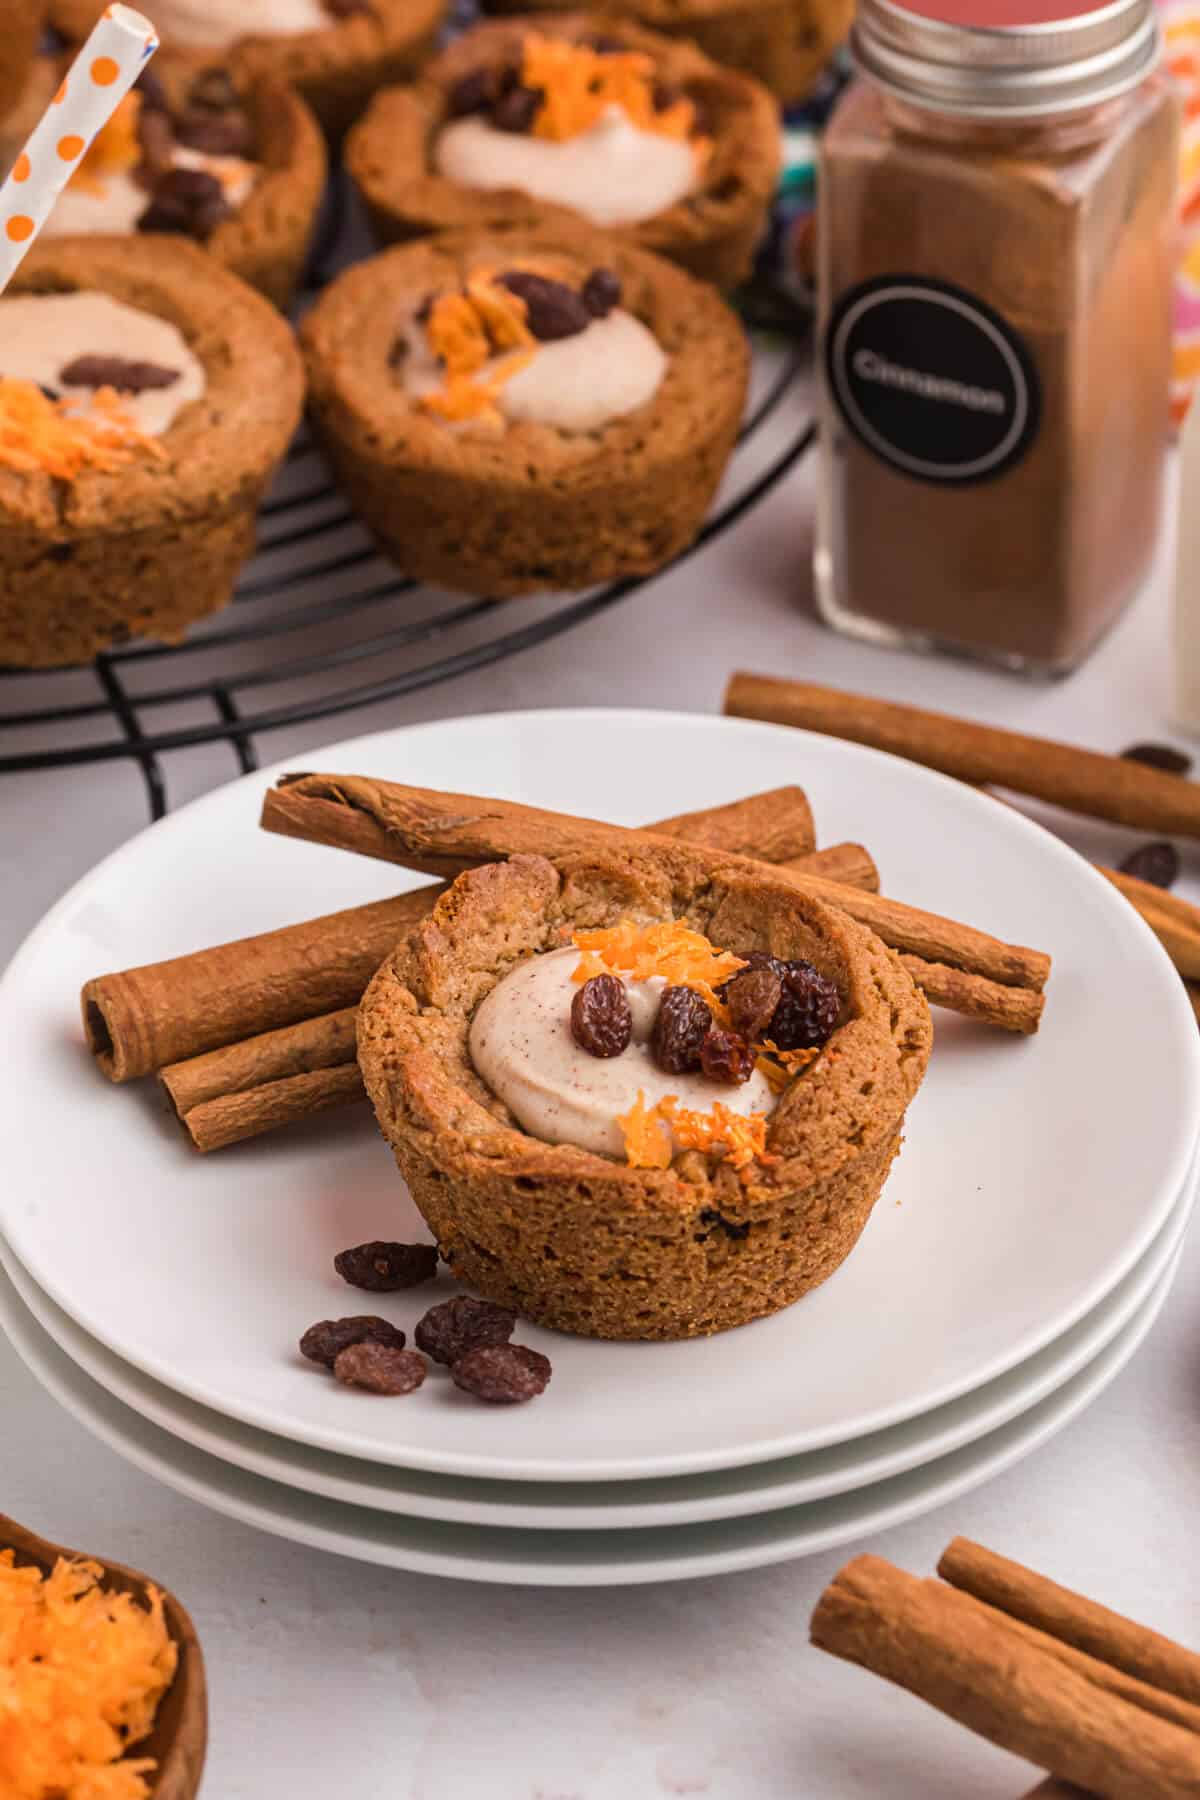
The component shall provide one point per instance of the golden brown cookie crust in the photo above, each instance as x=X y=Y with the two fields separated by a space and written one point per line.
x=785 y=44
x=584 y=1244
x=712 y=233
x=530 y=508
x=336 y=70
x=154 y=545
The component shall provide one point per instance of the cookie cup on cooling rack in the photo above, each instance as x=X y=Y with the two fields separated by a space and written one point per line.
x=148 y=547
x=712 y=231
x=266 y=241
x=785 y=44
x=335 y=69
x=527 y=507
x=259 y=132
x=576 y=1240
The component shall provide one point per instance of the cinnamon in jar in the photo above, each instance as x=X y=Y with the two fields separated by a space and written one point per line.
x=996 y=259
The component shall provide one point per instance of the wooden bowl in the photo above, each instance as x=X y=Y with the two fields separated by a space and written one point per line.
x=180 y=1736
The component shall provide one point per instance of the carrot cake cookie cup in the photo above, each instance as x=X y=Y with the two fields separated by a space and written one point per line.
x=523 y=120
x=147 y=397
x=235 y=163
x=336 y=53
x=584 y=1073
x=785 y=44
x=516 y=412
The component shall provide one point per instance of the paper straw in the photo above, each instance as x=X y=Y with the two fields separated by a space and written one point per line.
x=98 y=80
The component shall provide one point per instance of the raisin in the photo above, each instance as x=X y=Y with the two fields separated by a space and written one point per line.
x=448 y=1331
x=502 y=1374
x=156 y=140
x=517 y=109
x=152 y=94
x=1157 y=863
x=380 y=1369
x=474 y=92
x=601 y=292
x=752 y=998
x=724 y=1056
x=1159 y=756
x=682 y=1025
x=384 y=1268
x=228 y=133
x=601 y=1020
x=213 y=91
x=604 y=44
x=189 y=201
x=324 y=1342
x=756 y=959
x=347 y=9
x=115 y=372
x=552 y=309
x=807 y=1010
x=666 y=95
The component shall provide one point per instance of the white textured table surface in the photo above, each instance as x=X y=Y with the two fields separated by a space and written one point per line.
x=330 y=1678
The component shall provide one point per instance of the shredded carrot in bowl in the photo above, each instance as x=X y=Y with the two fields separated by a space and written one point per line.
x=82 y=1672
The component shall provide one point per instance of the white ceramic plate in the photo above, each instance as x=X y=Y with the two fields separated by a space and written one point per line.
x=1035 y=1172
x=559 y=1558
x=624 y=1505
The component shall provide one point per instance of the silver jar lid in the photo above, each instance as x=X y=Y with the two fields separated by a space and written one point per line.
x=1011 y=71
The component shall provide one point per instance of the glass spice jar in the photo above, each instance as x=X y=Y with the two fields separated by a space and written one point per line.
x=996 y=257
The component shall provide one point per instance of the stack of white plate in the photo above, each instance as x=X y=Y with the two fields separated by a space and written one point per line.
x=1020 y=1252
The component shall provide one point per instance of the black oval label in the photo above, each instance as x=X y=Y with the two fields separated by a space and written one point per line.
x=931 y=379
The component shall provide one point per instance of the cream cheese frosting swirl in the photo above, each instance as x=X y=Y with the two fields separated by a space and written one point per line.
x=522 y=1046
x=614 y=173
x=43 y=334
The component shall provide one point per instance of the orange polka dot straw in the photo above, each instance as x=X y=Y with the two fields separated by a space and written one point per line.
x=99 y=79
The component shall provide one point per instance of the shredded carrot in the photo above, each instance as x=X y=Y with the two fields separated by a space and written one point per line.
x=43 y=436
x=780 y=1065
x=743 y=1136
x=115 y=149
x=683 y=957
x=82 y=1672
x=466 y=331
x=647 y=1136
x=579 y=84
x=651 y=1131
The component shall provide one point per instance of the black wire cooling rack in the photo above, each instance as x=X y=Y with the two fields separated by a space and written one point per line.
x=320 y=624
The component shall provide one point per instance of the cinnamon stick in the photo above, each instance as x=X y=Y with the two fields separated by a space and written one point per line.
x=1072 y=1618
x=1011 y=1008
x=143 y=1019
x=1082 y=781
x=1173 y=921
x=419 y=827
x=850 y=864
x=958 y=1656
x=773 y=827
x=274 y=1079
